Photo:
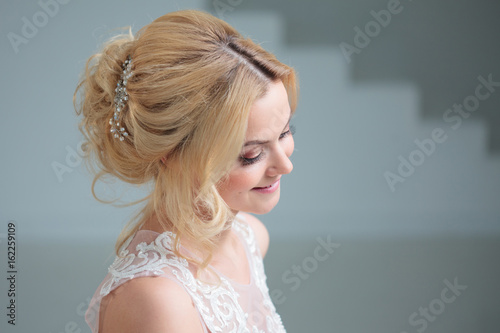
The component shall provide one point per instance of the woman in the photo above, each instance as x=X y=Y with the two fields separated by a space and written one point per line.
x=202 y=115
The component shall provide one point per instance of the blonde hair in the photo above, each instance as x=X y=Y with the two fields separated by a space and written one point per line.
x=194 y=81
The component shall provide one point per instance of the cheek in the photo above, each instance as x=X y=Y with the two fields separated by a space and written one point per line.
x=237 y=182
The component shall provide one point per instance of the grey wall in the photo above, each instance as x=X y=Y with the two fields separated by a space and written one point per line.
x=395 y=246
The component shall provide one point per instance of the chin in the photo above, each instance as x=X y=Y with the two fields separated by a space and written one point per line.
x=263 y=208
x=259 y=211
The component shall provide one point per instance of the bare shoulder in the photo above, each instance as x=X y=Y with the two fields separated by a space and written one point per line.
x=260 y=231
x=149 y=304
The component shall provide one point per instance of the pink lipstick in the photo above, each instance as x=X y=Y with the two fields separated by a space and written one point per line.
x=268 y=189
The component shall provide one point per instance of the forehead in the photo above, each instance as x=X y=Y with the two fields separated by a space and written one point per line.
x=269 y=114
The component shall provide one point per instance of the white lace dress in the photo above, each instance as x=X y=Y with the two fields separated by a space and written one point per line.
x=230 y=307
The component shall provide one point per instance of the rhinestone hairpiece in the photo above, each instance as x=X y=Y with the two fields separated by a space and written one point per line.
x=121 y=98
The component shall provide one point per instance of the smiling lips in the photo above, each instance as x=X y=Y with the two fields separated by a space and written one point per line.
x=268 y=189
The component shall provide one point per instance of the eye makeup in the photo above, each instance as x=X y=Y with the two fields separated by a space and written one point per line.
x=251 y=160
x=247 y=161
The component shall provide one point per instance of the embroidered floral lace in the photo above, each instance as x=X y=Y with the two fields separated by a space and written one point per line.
x=228 y=307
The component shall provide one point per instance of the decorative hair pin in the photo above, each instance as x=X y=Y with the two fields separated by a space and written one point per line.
x=121 y=98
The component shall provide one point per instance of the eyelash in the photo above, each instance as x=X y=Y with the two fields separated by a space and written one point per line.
x=248 y=161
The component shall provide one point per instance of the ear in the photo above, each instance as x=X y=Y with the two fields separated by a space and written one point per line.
x=164 y=160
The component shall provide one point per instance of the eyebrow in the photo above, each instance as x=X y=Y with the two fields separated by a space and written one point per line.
x=261 y=142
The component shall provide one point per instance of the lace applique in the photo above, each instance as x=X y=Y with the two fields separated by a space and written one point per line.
x=150 y=257
x=218 y=305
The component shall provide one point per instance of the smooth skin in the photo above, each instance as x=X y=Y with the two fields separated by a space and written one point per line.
x=159 y=305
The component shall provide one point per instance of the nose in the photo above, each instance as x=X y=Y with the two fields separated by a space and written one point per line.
x=280 y=163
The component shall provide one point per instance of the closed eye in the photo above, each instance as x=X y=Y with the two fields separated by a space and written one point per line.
x=291 y=130
x=248 y=161
x=251 y=160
